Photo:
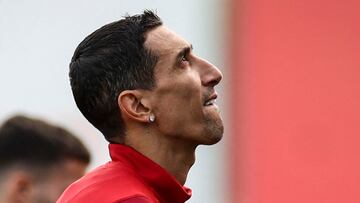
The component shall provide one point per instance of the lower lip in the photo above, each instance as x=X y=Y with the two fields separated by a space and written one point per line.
x=212 y=106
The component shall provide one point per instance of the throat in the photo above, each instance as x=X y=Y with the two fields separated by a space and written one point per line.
x=179 y=166
x=176 y=156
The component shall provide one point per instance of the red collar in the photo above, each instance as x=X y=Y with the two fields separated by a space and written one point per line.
x=165 y=185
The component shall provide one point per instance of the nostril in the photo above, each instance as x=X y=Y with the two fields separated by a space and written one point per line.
x=212 y=78
x=212 y=83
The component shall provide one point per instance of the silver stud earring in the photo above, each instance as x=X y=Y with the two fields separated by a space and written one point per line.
x=151 y=118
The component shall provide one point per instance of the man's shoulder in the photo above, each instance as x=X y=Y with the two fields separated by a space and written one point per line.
x=111 y=182
x=130 y=199
x=135 y=199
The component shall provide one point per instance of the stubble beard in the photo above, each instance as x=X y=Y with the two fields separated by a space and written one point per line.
x=214 y=129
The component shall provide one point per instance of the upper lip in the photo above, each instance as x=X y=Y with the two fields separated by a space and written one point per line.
x=212 y=96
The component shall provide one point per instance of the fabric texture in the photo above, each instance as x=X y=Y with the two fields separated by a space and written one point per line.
x=129 y=177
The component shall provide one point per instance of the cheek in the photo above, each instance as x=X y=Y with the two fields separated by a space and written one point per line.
x=176 y=110
x=176 y=94
x=178 y=106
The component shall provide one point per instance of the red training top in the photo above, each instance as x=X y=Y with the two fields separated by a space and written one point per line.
x=129 y=178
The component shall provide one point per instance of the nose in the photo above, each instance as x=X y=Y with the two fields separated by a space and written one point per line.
x=210 y=74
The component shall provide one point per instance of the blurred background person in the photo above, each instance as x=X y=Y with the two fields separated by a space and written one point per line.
x=38 y=160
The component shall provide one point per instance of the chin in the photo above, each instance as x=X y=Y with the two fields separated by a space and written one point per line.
x=213 y=129
x=212 y=141
x=214 y=135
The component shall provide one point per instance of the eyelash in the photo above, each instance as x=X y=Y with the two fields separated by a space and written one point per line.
x=184 y=58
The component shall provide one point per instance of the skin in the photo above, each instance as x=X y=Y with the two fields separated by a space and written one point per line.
x=184 y=82
x=21 y=185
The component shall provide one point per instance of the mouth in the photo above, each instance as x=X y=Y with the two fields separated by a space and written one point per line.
x=211 y=101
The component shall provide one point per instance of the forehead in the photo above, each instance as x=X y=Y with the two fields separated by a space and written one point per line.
x=164 y=41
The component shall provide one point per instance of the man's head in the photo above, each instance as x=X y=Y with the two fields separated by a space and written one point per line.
x=135 y=69
x=38 y=160
x=107 y=62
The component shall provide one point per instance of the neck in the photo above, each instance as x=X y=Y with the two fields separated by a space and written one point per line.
x=174 y=155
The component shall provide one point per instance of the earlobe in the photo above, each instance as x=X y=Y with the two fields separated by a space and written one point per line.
x=131 y=103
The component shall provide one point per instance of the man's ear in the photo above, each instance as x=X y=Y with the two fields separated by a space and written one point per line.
x=133 y=106
x=20 y=187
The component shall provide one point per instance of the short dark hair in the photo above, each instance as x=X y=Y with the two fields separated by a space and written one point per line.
x=108 y=61
x=35 y=143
